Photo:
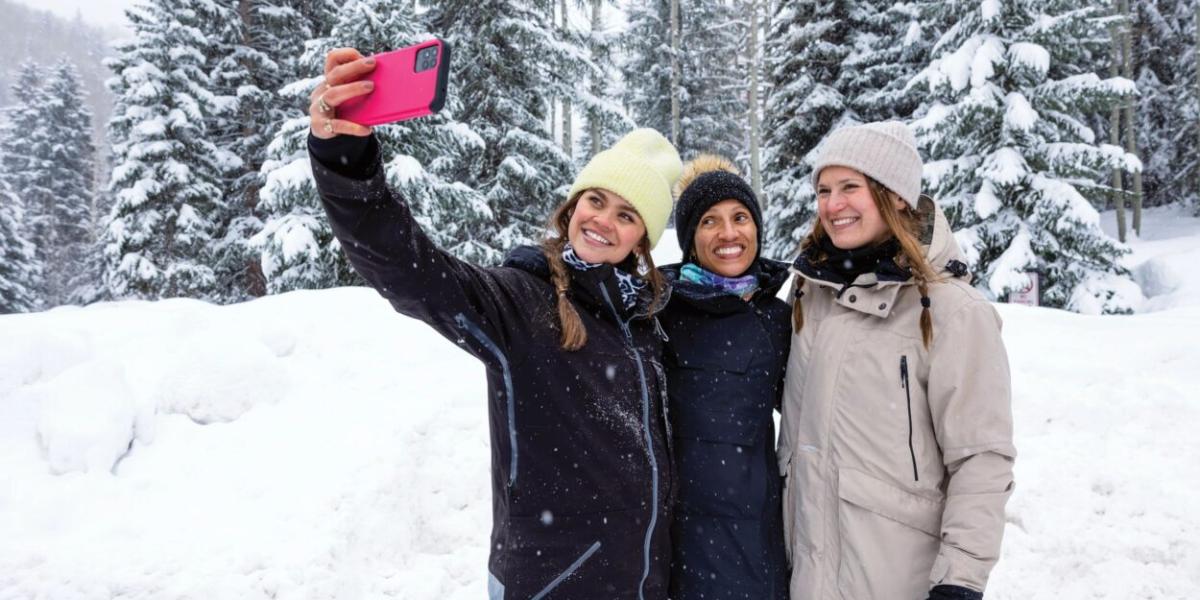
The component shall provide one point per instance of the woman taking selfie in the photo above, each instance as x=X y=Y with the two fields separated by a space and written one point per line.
x=897 y=426
x=581 y=476
x=727 y=348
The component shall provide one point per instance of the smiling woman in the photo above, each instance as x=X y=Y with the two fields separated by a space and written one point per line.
x=896 y=435
x=575 y=404
x=726 y=350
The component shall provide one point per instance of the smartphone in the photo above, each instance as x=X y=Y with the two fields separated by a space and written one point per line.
x=409 y=83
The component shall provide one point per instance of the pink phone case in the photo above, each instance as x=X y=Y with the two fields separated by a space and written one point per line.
x=401 y=93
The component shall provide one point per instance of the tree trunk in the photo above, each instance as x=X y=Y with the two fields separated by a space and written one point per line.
x=752 y=105
x=1196 y=66
x=768 y=16
x=1117 y=195
x=568 y=143
x=1130 y=128
x=676 y=75
x=597 y=85
x=254 y=281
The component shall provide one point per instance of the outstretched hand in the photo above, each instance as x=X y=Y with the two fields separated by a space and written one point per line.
x=344 y=71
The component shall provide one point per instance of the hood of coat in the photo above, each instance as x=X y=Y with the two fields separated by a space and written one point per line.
x=585 y=285
x=772 y=274
x=941 y=247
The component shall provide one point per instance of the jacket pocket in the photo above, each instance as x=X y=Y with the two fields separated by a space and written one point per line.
x=889 y=538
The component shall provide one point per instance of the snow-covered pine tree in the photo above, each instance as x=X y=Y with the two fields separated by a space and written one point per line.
x=69 y=163
x=427 y=160
x=1010 y=156
x=23 y=165
x=829 y=64
x=18 y=266
x=159 y=237
x=715 y=79
x=508 y=62
x=599 y=101
x=258 y=51
x=646 y=69
x=1163 y=55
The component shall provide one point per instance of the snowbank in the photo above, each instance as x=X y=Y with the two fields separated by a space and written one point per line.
x=317 y=445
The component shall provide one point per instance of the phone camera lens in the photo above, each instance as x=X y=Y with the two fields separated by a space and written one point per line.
x=426 y=58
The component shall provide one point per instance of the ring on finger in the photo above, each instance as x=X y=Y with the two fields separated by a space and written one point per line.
x=328 y=126
x=325 y=108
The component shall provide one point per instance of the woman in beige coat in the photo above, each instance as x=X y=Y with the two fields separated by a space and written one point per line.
x=896 y=440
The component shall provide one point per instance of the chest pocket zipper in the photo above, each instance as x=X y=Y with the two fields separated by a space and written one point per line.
x=908 y=401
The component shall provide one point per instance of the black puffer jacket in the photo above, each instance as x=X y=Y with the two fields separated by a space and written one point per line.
x=581 y=471
x=725 y=364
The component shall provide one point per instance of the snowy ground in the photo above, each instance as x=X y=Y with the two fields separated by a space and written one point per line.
x=317 y=445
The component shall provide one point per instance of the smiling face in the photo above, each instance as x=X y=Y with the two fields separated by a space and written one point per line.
x=847 y=209
x=604 y=227
x=726 y=239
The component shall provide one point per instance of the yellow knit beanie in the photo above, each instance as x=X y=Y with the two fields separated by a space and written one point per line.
x=642 y=168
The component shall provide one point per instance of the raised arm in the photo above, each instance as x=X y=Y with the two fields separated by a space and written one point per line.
x=377 y=230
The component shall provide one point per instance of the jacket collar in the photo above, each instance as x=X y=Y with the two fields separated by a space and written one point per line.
x=772 y=274
x=587 y=287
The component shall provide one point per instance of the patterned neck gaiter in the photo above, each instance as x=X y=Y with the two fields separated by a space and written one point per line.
x=738 y=286
x=629 y=285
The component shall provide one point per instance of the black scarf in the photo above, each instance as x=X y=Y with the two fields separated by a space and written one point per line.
x=844 y=266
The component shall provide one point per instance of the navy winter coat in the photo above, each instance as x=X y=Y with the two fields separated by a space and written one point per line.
x=581 y=470
x=725 y=363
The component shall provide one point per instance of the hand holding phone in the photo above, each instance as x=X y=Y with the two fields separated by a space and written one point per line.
x=408 y=83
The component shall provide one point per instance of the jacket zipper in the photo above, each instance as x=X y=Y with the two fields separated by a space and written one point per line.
x=637 y=356
x=908 y=397
x=491 y=346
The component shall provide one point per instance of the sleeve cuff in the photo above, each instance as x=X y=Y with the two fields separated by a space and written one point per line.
x=346 y=155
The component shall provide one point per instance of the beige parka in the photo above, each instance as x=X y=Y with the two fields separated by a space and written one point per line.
x=898 y=460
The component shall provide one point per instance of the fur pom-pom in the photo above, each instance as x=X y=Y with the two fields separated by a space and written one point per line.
x=700 y=165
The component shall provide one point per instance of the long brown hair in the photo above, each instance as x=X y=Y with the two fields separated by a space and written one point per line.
x=905 y=224
x=574 y=334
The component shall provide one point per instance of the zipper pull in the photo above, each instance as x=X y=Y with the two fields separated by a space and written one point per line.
x=904 y=371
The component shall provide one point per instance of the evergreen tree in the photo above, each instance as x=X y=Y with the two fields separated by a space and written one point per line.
x=509 y=62
x=1163 y=59
x=829 y=64
x=24 y=149
x=69 y=163
x=18 y=266
x=647 y=68
x=715 y=79
x=258 y=51
x=159 y=238
x=428 y=157
x=1010 y=156
x=604 y=119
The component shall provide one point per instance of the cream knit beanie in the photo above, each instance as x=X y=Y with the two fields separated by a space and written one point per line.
x=642 y=168
x=884 y=151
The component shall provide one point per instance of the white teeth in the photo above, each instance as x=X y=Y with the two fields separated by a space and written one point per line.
x=595 y=236
x=845 y=220
x=729 y=251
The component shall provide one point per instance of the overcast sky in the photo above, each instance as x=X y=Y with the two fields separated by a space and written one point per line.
x=98 y=12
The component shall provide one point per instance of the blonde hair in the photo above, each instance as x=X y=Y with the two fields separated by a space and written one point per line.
x=905 y=225
x=574 y=334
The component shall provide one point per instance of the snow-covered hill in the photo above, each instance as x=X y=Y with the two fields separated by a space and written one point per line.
x=317 y=445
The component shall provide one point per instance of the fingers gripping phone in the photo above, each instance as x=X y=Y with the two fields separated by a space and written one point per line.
x=409 y=83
